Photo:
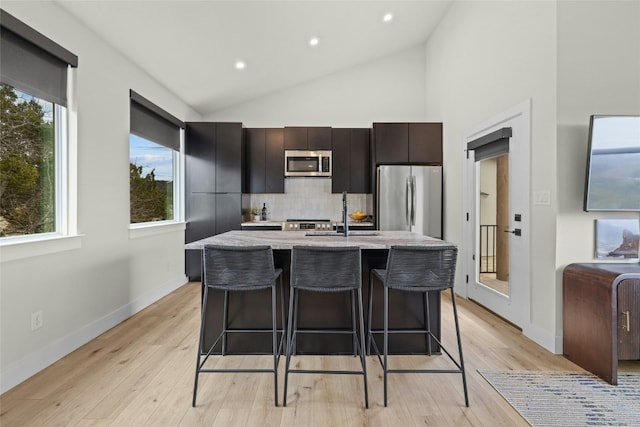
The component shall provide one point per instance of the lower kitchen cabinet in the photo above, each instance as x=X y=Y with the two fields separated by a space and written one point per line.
x=209 y=214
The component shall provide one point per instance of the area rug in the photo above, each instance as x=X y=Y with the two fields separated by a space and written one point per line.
x=569 y=398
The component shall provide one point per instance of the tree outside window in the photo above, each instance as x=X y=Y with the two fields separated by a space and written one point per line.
x=27 y=164
x=151 y=181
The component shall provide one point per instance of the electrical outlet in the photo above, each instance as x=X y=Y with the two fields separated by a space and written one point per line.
x=36 y=320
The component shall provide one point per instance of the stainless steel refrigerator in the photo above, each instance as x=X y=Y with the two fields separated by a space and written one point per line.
x=410 y=198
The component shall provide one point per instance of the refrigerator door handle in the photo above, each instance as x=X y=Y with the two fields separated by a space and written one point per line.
x=413 y=200
x=407 y=213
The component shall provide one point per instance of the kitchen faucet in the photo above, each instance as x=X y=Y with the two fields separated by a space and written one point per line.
x=345 y=228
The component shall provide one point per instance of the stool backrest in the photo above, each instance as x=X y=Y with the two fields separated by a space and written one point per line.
x=238 y=267
x=421 y=268
x=325 y=269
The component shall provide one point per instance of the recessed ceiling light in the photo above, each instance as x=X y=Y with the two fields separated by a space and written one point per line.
x=314 y=41
x=240 y=65
x=387 y=17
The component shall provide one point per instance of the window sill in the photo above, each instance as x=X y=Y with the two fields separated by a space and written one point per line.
x=137 y=231
x=20 y=249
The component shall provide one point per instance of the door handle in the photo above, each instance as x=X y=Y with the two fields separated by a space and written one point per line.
x=407 y=203
x=517 y=232
x=627 y=326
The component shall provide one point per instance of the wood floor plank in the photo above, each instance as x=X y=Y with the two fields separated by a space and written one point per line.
x=141 y=373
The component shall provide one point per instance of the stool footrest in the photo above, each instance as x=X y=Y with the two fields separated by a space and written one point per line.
x=270 y=371
x=316 y=371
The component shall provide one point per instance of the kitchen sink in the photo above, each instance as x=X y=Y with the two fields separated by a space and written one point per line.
x=336 y=234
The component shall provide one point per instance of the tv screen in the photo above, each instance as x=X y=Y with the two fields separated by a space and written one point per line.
x=613 y=164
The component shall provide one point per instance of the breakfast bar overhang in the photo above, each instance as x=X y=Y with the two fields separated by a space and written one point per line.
x=406 y=309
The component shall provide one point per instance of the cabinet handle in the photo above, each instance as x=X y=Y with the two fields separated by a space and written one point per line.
x=627 y=326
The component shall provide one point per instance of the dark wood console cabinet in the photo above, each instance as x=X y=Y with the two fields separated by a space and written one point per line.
x=601 y=316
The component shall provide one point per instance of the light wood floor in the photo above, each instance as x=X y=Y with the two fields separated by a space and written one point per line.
x=141 y=373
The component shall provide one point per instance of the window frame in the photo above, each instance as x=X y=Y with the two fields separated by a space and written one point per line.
x=140 y=229
x=65 y=236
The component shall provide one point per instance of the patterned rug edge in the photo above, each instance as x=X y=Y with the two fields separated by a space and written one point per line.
x=587 y=406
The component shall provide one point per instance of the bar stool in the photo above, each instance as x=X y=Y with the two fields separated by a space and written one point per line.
x=325 y=269
x=417 y=269
x=239 y=269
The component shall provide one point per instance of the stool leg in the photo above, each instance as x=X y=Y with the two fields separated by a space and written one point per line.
x=200 y=342
x=464 y=377
x=353 y=322
x=289 y=344
x=284 y=321
x=427 y=323
x=363 y=357
x=275 y=342
x=295 y=319
x=369 y=309
x=386 y=340
x=225 y=322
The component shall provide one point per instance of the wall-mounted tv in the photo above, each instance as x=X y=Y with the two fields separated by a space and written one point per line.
x=613 y=164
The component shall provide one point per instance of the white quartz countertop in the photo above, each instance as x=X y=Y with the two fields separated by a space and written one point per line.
x=266 y=223
x=288 y=239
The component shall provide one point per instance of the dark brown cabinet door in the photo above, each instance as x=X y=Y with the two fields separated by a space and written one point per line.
x=228 y=212
x=228 y=157
x=392 y=142
x=340 y=152
x=295 y=138
x=264 y=160
x=359 y=175
x=254 y=139
x=629 y=320
x=201 y=223
x=351 y=160
x=425 y=143
x=200 y=157
x=319 y=138
x=274 y=161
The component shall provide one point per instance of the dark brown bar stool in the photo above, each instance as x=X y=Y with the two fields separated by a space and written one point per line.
x=239 y=269
x=417 y=269
x=325 y=269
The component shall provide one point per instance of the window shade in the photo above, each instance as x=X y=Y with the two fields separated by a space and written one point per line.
x=491 y=145
x=31 y=62
x=150 y=122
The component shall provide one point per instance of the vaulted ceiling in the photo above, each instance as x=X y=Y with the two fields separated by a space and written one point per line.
x=192 y=47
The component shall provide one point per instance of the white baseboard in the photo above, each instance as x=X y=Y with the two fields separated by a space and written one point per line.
x=30 y=365
x=544 y=338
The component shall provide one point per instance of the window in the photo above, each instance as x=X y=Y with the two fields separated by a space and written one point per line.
x=154 y=163
x=33 y=132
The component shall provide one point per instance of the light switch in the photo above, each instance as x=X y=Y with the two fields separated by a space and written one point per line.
x=542 y=197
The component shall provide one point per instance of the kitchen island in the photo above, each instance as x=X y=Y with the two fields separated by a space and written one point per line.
x=328 y=309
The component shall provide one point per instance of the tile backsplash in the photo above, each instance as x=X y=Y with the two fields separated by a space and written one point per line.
x=307 y=198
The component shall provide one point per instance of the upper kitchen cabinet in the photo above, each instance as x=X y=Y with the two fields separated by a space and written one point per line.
x=398 y=143
x=351 y=160
x=425 y=143
x=200 y=156
x=307 y=138
x=264 y=160
x=213 y=157
x=228 y=157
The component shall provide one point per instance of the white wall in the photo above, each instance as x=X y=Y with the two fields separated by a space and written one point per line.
x=84 y=291
x=484 y=58
x=598 y=73
x=388 y=89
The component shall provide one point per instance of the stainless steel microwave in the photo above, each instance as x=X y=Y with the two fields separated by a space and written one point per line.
x=307 y=163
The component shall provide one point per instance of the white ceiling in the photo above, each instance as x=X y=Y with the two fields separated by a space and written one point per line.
x=190 y=47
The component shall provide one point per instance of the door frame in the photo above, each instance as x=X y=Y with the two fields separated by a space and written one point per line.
x=516 y=307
